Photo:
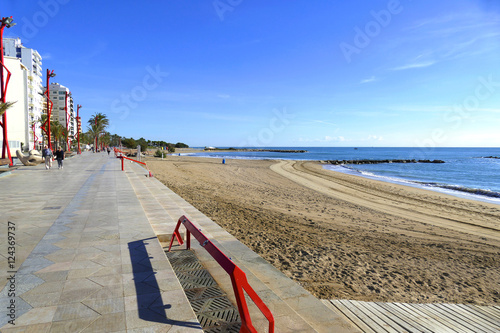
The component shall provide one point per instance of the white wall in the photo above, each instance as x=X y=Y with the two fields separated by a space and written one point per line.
x=17 y=120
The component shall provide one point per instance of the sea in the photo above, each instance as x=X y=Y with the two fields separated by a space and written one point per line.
x=467 y=172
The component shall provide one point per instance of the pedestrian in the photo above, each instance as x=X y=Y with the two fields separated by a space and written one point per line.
x=47 y=154
x=60 y=157
x=109 y=150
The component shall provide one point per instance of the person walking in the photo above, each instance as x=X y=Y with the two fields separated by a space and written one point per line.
x=47 y=154
x=60 y=157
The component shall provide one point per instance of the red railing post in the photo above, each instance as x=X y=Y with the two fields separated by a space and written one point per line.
x=238 y=277
x=126 y=158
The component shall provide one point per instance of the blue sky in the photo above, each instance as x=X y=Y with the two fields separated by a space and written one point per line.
x=276 y=73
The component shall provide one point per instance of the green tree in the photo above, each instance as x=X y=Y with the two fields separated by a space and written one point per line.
x=143 y=143
x=97 y=125
x=129 y=143
x=115 y=140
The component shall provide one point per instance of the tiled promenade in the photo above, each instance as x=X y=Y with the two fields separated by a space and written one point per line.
x=88 y=259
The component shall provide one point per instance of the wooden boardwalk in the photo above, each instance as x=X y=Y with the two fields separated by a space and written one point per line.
x=377 y=317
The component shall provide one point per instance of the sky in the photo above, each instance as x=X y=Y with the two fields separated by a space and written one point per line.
x=240 y=73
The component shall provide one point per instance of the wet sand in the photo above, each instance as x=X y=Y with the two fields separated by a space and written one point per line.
x=346 y=237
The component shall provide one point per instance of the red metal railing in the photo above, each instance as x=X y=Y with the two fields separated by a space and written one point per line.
x=121 y=155
x=238 y=277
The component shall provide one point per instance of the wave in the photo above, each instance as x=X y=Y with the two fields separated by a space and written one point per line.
x=457 y=190
x=469 y=190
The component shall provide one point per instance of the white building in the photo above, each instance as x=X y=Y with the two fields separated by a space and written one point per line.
x=18 y=130
x=32 y=61
x=62 y=109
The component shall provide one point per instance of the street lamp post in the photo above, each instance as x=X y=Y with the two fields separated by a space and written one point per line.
x=68 y=148
x=6 y=22
x=78 y=120
x=33 y=128
x=46 y=124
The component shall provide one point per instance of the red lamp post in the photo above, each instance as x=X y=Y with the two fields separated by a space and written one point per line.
x=67 y=119
x=78 y=120
x=46 y=124
x=6 y=22
x=35 y=138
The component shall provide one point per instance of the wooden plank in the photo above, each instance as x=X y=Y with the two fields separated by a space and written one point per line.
x=374 y=317
x=479 y=315
x=353 y=317
x=379 y=317
x=476 y=322
x=461 y=316
x=366 y=318
x=409 y=317
x=425 y=319
x=445 y=321
x=329 y=304
x=400 y=322
x=489 y=317
x=490 y=310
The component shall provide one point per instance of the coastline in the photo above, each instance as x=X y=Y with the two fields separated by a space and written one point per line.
x=344 y=236
x=469 y=173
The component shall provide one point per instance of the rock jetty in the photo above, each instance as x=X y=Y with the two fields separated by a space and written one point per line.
x=256 y=150
x=279 y=150
x=496 y=157
x=340 y=162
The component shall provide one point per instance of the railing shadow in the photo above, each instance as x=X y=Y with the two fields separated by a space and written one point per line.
x=149 y=301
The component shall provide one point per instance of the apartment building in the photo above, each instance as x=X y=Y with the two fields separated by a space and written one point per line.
x=31 y=93
x=63 y=110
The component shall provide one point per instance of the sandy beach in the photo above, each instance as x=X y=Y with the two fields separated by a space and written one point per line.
x=346 y=237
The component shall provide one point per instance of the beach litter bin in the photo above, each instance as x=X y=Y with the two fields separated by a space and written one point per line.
x=223 y=161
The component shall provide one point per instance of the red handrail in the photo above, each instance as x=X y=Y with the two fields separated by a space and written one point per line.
x=238 y=277
x=119 y=154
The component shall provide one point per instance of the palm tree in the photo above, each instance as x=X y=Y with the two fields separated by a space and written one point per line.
x=5 y=106
x=57 y=130
x=41 y=121
x=106 y=138
x=97 y=125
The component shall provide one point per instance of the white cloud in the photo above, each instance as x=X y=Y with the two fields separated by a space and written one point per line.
x=370 y=79
x=326 y=138
x=414 y=65
x=375 y=138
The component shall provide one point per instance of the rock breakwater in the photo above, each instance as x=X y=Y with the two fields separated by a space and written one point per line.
x=340 y=162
